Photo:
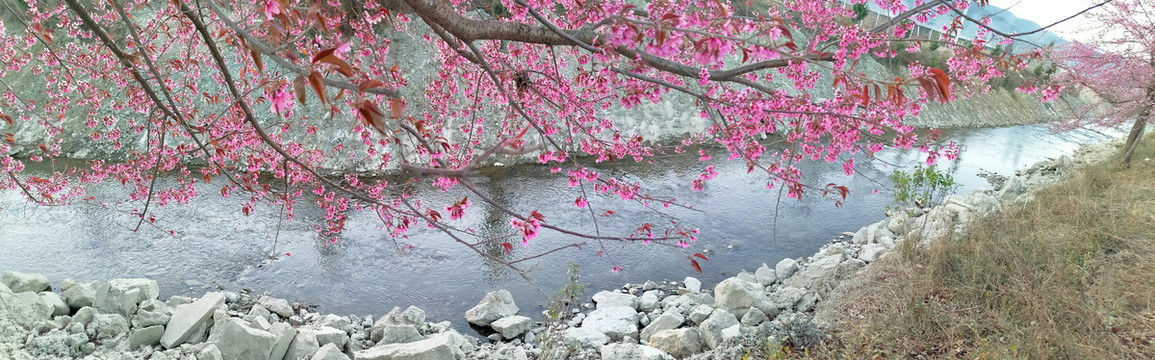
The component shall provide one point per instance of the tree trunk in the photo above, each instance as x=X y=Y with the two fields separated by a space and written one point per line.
x=1136 y=134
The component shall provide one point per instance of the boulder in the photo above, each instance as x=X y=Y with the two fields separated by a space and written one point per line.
x=936 y=225
x=785 y=268
x=679 y=343
x=284 y=334
x=395 y=334
x=633 y=352
x=666 y=321
x=188 y=318
x=326 y=335
x=692 y=284
x=122 y=296
x=512 y=326
x=816 y=271
x=4 y=289
x=736 y=296
x=210 y=352
x=237 y=341
x=152 y=312
x=25 y=308
x=586 y=337
x=147 y=336
x=342 y=323
x=495 y=305
x=648 y=301
x=700 y=313
x=107 y=326
x=277 y=306
x=441 y=346
x=329 y=352
x=54 y=301
x=302 y=346
x=754 y=317
x=765 y=275
x=786 y=297
x=616 y=322
x=21 y=282
x=746 y=276
x=606 y=299
x=711 y=329
x=872 y=252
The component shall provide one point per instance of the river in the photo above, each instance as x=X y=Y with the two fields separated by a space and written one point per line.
x=214 y=246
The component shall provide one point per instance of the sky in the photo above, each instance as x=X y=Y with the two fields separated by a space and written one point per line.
x=1045 y=12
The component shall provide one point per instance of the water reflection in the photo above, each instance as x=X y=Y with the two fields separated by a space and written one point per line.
x=364 y=273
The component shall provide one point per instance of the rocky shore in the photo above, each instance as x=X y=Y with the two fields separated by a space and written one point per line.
x=771 y=307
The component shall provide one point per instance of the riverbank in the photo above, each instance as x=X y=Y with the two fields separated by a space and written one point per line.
x=758 y=313
x=1065 y=275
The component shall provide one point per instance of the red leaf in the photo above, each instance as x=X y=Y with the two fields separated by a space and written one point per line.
x=507 y=246
x=396 y=108
x=257 y=59
x=299 y=88
x=7 y=119
x=943 y=82
x=701 y=256
x=369 y=84
x=371 y=115
x=865 y=95
x=694 y=264
x=318 y=84
x=327 y=56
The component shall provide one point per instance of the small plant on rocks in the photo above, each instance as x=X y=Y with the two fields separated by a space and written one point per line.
x=921 y=188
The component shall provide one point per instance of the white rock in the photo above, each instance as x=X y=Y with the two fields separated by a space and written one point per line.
x=736 y=296
x=816 y=272
x=786 y=297
x=20 y=282
x=188 y=318
x=785 y=268
x=54 y=301
x=210 y=352
x=329 y=352
x=606 y=299
x=123 y=295
x=342 y=323
x=586 y=337
x=107 y=326
x=615 y=322
x=277 y=306
x=700 y=313
x=679 y=343
x=238 y=341
x=711 y=329
x=765 y=275
x=442 y=346
x=512 y=326
x=326 y=335
x=754 y=317
x=395 y=334
x=147 y=336
x=648 y=301
x=871 y=252
x=633 y=352
x=152 y=312
x=666 y=321
x=692 y=284
x=495 y=305
x=285 y=335
x=302 y=346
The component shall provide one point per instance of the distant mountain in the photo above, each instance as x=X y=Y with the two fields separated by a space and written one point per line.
x=1001 y=19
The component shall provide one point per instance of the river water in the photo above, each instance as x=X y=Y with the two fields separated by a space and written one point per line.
x=212 y=246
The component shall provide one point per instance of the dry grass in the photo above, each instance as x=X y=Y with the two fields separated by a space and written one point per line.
x=1070 y=275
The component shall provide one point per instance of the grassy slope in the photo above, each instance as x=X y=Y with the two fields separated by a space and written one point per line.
x=1070 y=275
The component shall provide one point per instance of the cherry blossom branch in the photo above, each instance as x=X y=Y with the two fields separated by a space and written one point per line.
x=260 y=46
